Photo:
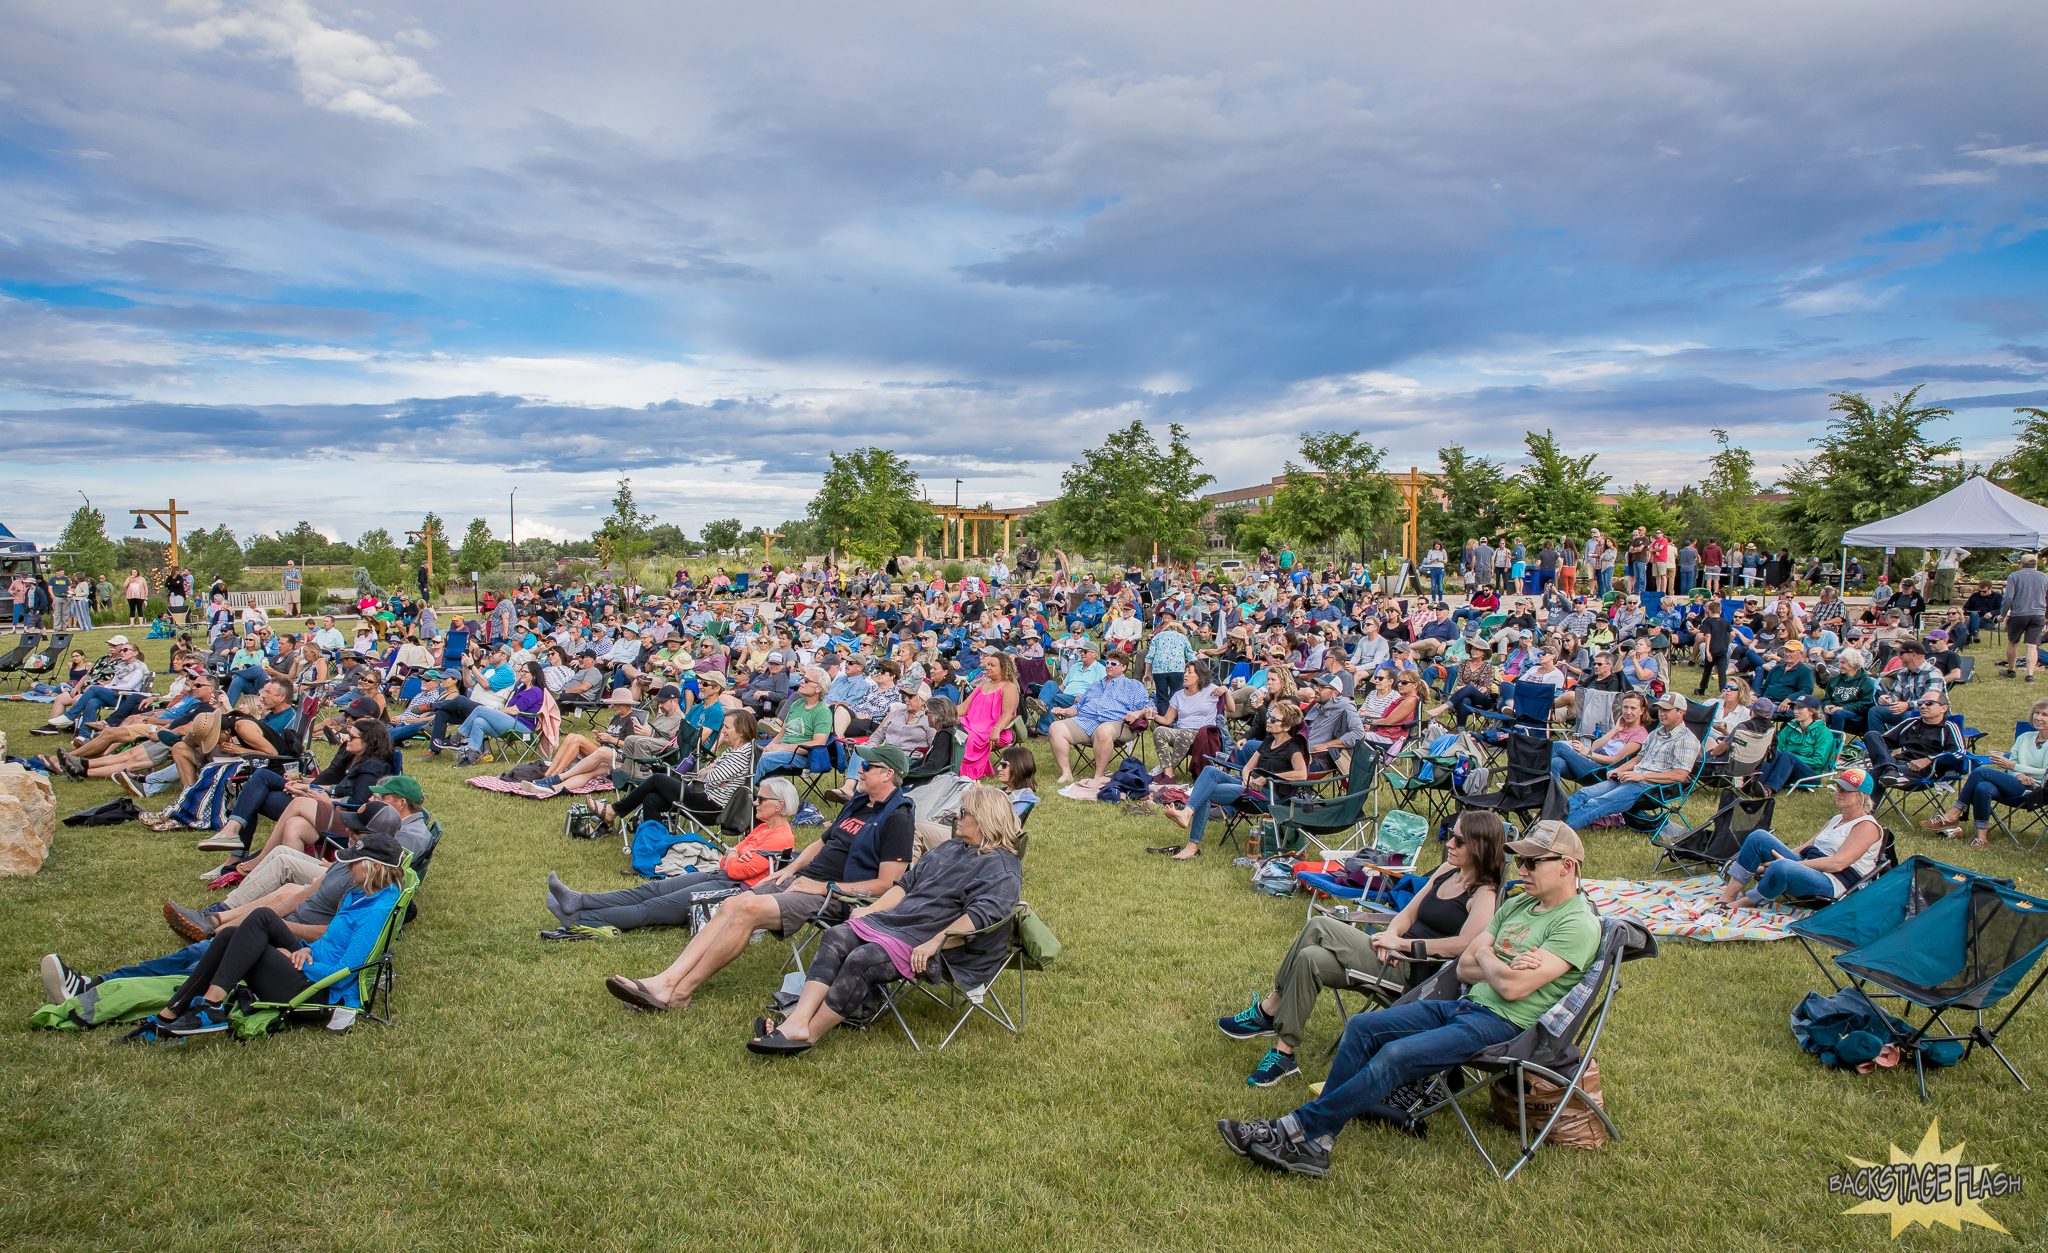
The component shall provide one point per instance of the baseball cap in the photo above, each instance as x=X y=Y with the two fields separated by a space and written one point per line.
x=373 y=816
x=1853 y=779
x=775 y=657
x=1762 y=707
x=885 y=755
x=115 y=641
x=669 y=691
x=400 y=785
x=1912 y=646
x=1808 y=701
x=1933 y=637
x=1794 y=646
x=1329 y=679
x=1551 y=838
x=378 y=846
x=1671 y=700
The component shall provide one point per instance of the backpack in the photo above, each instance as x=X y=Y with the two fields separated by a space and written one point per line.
x=1274 y=878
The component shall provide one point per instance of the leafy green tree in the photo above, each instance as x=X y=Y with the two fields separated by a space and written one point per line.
x=668 y=540
x=479 y=552
x=1554 y=494
x=1340 y=492
x=723 y=535
x=870 y=504
x=2025 y=469
x=1873 y=461
x=212 y=554
x=1132 y=489
x=1230 y=523
x=1734 y=514
x=85 y=538
x=1473 y=490
x=382 y=558
x=1643 y=506
x=626 y=529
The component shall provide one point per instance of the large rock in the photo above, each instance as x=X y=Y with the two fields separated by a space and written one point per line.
x=28 y=820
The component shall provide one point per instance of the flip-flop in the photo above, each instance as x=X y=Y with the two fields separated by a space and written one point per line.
x=1171 y=848
x=777 y=1044
x=632 y=993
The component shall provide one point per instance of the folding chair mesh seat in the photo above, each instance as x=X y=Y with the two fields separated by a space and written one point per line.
x=1556 y=1050
x=1332 y=824
x=1965 y=953
x=1129 y=742
x=818 y=767
x=1428 y=783
x=1595 y=713
x=1529 y=787
x=22 y=651
x=943 y=986
x=1714 y=843
x=1879 y=905
x=1530 y=712
x=56 y=655
x=2030 y=812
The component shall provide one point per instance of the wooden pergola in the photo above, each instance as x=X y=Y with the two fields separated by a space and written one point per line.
x=960 y=519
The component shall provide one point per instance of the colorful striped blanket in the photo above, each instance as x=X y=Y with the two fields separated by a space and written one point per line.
x=492 y=783
x=1685 y=907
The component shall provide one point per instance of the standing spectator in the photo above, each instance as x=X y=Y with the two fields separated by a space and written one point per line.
x=1503 y=564
x=292 y=579
x=1546 y=567
x=1168 y=658
x=1482 y=566
x=2026 y=604
x=1638 y=559
x=18 y=591
x=1433 y=569
x=1567 y=567
x=1688 y=567
x=1663 y=562
x=1710 y=567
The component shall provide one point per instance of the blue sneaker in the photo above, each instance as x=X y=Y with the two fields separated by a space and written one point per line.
x=1248 y=1024
x=1272 y=1068
x=151 y=1031
x=203 y=1019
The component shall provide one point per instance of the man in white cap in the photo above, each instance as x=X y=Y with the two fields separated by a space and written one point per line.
x=1667 y=756
x=1538 y=945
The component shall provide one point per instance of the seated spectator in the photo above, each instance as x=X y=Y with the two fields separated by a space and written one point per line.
x=1332 y=726
x=1918 y=748
x=684 y=900
x=1780 y=681
x=141 y=743
x=520 y=714
x=1116 y=706
x=1578 y=760
x=1192 y=708
x=1851 y=693
x=1475 y=687
x=1438 y=924
x=1804 y=749
x=579 y=757
x=305 y=811
x=2028 y=767
x=969 y=883
x=702 y=794
x=1391 y=727
x=1905 y=687
x=264 y=952
x=1082 y=669
x=1603 y=674
x=1836 y=859
x=124 y=677
x=1541 y=941
x=1281 y=756
x=864 y=851
x=1667 y=756
x=806 y=725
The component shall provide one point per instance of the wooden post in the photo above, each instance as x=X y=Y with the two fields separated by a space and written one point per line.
x=167 y=518
x=1006 y=536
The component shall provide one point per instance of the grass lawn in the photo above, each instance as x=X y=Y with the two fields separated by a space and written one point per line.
x=516 y=1105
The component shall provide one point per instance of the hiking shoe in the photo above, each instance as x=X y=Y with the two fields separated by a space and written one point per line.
x=191 y=926
x=1284 y=1152
x=1272 y=1068
x=151 y=1031
x=130 y=784
x=73 y=766
x=204 y=1018
x=1247 y=1024
x=61 y=982
x=1239 y=1137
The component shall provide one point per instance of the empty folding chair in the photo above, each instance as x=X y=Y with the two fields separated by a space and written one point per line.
x=1334 y=825
x=1714 y=843
x=1878 y=905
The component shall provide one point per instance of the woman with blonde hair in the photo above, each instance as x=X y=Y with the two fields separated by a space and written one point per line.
x=967 y=884
x=991 y=708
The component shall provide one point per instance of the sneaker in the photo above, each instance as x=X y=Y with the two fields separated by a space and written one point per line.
x=208 y=876
x=1239 y=1137
x=48 y=729
x=61 y=982
x=1247 y=1024
x=447 y=745
x=73 y=766
x=190 y=925
x=1272 y=1068
x=464 y=760
x=151 y=1031
x=204 y=1018
x=220 y=844
x=130 y=784
x=1284 y=1152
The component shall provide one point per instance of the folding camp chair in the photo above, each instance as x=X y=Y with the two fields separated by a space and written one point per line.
x=1528 y=787
x=927 y=770
x=1129 y=742
x=1714 y=843
x=1912 y=801
x=1556 y=1050
x=265 y=1016
x=454 y=647
x=1746 y=753
x=1528 y=712
x=1666 y=801
x=1964 y=953
x=1335 y=825
x=56 y=655
x=1595 y=713
x=818 y=767
x=22 y=651
x=1428 y=783
x=957 y=996
x=1396 y=843
x=1878 y=905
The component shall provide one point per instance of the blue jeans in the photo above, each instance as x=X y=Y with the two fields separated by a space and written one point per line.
x=1786 y=771
x=1637 y=571
x=21 y=611
x=1385 y=1048
x=1685 y=580
x=486 y=722
x=1567 y=762
x=410 y=730
x=89 y=705
x=1468 y=700
x=1842 y=720
x=1787 y=876
x=1458 y=616
x=1602 y=799
x=780 y=759
x=1436 y=581
x=1216 y=786
x=182 y=962
x=1604 y=580
x=262 y=795
x=1054 y=700
x=460 y=706
x=1987 y=784
x=1882 y=719
x=244 y=681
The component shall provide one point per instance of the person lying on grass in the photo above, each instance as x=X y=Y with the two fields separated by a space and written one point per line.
x=970 y=882
x=264 y=952
x=702 y=795
x=672 y=902
x=1442 y=920
x=865 y=850
x=1539 y=943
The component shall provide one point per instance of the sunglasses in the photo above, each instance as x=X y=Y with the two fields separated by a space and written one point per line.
x=1530 y=863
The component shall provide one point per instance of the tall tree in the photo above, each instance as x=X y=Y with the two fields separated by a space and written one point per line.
x=479 y=554
x=626 y=528
x=1730 y=490
x=2025 y=468
x=870 y=504
x=382 y=559
x=1340 y=492
x=212 y=554
x=1643 y=506
x=85 y=538
x=1873 y=461
x=1554 y=494
x=723 y=535
x=1472 y=488
x=1132 y=489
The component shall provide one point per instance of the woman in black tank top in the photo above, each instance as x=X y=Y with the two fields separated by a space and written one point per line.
x=1456 y=906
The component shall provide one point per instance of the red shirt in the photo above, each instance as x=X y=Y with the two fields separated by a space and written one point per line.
x=1712 y=556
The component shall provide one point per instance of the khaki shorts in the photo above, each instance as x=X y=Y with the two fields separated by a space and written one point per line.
x=796 y=907
x=159 y=753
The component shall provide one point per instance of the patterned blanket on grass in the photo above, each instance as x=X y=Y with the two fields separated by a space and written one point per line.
x=492 y=783
x=1687 y=908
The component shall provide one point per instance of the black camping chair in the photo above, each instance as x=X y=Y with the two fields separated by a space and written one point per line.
x=56 y=655
x=11 y=663
x=1714 y=843
x=1529 y=787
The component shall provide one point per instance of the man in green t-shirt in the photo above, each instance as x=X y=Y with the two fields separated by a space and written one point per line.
x=806 y=726
x=1536 y=949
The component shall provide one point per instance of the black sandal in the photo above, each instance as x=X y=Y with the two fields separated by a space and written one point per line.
x=633 y=994
x=1171 y=848
x=777 y=1044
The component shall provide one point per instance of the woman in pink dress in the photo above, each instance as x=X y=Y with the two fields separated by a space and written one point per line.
x=986 y=719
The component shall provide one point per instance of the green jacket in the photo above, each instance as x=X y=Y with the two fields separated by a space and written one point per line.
x=1856 y=695
x=1814 y=744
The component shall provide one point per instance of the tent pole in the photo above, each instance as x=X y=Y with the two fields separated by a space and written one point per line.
x=1842 y=573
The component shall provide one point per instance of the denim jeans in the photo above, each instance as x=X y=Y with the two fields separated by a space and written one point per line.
x=1468 y=700
x=401 y=732
x=1843 y=720
x=21 y=612
x=460 y=706
x=1054 y=700
x=1567 y=762
x=1785 y=771
x=1684 y=581
x=1386 y=1048
x=1637 y=571
x=1604 y=580
x=90 y=704
x=1987 y=784
x=779 y=759
x=157 y=780
x=1459 y=615
x=1436 y=582
x=262 y=795
x=244 y=681
x=1882 y=719
x=1217 y=786
x=487 y=722
x=1786 y=876
x=1602 y=799
x=182 y=962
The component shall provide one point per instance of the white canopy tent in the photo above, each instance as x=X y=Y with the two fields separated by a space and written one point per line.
x=1978 y=514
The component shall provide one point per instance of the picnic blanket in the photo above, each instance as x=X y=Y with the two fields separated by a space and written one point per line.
x=492 y=783
x=1680 y=907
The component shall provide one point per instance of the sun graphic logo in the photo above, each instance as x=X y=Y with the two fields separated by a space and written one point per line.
x=1930 y=1185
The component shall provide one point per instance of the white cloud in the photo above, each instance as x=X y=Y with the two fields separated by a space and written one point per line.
x=339 y=69
x=1956 y=178
x=2023 y=154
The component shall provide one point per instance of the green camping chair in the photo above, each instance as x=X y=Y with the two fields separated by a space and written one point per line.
x=262 y=1017
x=1335 y=825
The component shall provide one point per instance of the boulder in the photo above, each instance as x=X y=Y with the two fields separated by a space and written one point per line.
x=28 y=820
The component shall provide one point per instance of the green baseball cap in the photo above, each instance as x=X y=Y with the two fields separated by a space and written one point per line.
x=401 y=785
x=886 y=755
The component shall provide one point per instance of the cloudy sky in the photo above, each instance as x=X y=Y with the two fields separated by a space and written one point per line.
x=337 y=262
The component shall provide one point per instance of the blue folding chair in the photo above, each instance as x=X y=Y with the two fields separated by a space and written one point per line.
x=1529 y=712
x=1653 y=605
x=1879 y=905
x=456 y=645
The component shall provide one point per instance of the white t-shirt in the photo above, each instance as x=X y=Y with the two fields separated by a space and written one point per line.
x=1830 y=838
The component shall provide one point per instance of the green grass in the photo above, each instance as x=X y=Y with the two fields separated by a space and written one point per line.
x=515 y=1105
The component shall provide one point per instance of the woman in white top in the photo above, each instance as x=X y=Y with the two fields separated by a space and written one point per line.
x=1192 y=708
x=1733 y=710
x=2028 y=766
x=1836 y=859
